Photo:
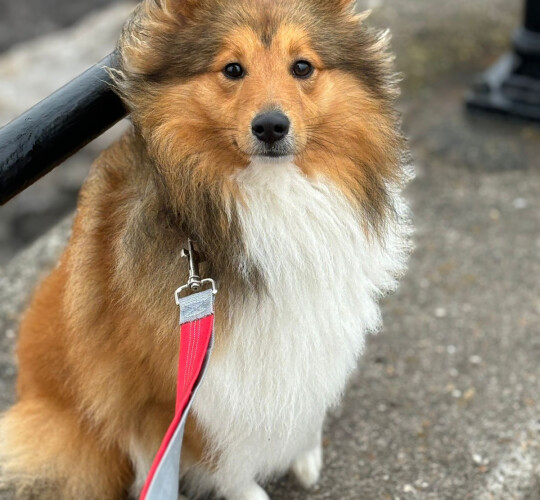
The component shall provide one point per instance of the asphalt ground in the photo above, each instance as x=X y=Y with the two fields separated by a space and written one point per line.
x=446 y=401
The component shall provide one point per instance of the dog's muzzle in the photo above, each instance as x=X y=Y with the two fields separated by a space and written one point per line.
x=271 y=130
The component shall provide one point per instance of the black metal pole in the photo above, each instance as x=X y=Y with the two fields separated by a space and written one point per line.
x=56 y=128
x=532 y=15
x=527 y=38
x=512 y=85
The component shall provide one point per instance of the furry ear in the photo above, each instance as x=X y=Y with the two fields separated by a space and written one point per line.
x=178 y=8
x=345 y=6
x=150 y=27
x=362 y=16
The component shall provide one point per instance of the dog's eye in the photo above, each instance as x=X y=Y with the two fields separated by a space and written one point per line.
x=234 y=71
x=302 y=69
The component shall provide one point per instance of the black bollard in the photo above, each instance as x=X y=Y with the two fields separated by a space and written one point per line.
x=532 y=16
x=512 y=85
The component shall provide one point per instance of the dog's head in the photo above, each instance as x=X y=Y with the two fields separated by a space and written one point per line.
x=213 y=84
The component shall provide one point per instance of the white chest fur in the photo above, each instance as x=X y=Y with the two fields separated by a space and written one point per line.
x=292 y=350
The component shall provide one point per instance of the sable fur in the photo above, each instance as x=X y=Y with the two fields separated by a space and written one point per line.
x=167 y=56
x=98 y=344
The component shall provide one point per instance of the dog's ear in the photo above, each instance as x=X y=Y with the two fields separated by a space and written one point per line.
x=345 y=6
x=348 y=5
x=179 y=8
x=362 y=16
x=146 y=33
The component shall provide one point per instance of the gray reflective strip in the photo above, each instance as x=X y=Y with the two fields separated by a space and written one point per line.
x=167 y=477
x=196 y=306
x=165 y=483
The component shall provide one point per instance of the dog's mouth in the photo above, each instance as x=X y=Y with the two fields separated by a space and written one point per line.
x=284 y=148
x=279 y=149
x=274 y=154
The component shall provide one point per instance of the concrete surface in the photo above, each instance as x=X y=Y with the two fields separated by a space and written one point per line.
x=446 y=401
x=22 y=20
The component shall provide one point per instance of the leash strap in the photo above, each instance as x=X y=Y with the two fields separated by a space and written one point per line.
x=196 y=340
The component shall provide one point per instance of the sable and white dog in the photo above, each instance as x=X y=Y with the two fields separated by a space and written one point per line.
x=265 y=130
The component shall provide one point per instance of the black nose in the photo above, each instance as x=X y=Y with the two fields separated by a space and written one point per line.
x=270 y=127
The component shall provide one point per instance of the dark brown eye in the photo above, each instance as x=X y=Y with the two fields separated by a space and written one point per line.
x=302 y=69
x=234 y=71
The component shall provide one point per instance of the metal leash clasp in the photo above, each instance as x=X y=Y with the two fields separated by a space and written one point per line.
x=195 y=283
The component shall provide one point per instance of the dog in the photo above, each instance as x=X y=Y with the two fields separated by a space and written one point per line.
x=265 y=130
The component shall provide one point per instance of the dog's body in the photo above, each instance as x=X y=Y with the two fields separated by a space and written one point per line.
x=304 y=231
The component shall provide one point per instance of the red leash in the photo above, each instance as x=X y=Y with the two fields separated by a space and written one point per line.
x=196 y=338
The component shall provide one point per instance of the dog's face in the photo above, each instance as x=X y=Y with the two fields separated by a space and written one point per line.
x=214 y=84
x=270 y=85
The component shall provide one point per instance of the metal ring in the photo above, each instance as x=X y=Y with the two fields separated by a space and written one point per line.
x=183 y=288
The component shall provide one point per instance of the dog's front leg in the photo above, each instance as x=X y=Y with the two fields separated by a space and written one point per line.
x=308 y=465
x=252 y=492
x=143 y=440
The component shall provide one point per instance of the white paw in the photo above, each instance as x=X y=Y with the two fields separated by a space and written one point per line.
x=307 y=467
x=254 y=492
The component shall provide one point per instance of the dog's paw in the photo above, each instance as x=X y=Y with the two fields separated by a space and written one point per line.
x=307 y=467
x=254 y=492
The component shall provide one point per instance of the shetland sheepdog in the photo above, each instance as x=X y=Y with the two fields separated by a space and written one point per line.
x=265 y=130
